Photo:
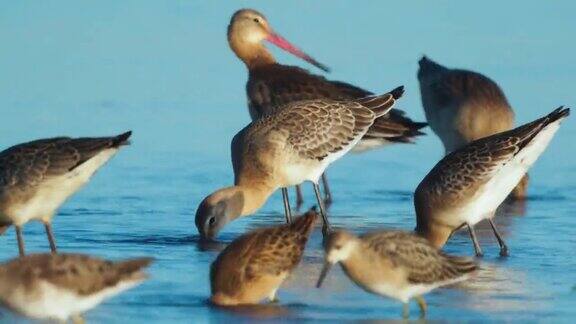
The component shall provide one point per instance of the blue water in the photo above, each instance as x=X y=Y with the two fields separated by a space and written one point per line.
x=163 y=69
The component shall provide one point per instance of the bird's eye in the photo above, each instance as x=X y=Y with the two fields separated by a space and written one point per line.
x=211 y=221
x=256 y=20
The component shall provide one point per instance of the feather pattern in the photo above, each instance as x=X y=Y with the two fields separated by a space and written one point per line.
x=271 y=252
x=27 y=165
x=271 y=87
x=423 y=263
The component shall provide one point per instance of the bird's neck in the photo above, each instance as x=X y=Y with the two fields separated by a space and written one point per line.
x=437 y=234
x=255 y=196
x=252 y=54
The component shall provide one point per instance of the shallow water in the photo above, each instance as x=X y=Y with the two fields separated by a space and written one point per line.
x=134 y=66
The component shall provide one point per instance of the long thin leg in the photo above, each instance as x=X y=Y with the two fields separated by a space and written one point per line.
x=50 y=234
x=423 y=306
x=287 y=210
x=503 y=247
x=326 y=226
x=327 y=193
x=299 y=197
x=78 y=319
x=20 y=241
x=477 y=247
x=272 y=297
x=405 y=310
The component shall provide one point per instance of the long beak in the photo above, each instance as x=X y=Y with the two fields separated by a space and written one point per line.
x=285 y=45
x=324 y=273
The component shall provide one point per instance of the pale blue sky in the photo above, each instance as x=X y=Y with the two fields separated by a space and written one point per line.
x=164 y=69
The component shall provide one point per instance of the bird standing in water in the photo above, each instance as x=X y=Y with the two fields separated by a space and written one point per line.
x=37 y=177
x=395 y=264
x=469 y=184
x=286 y=148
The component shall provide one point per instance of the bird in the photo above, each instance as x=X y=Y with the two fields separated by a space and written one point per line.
x=467 y=185
x=284 y=149
x=396 y=264
x=462 y=106
x=64 y=286
x=272 y=85
x=37 y=177
x=255 y=265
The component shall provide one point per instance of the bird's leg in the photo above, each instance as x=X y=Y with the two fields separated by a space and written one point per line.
x=477 y=247
x=50 y=234
x=326 y=226
x=406 y=310
x=287 y=210
x=423 y=306
x=327 y=193
x=299 y=197
x=272 y=297
x=503 y=247
x=20 y=240
x=78 y=319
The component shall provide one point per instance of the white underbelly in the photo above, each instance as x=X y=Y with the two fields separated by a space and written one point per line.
x=47 y=301
x=495 y=191
x=370 y=144
x=297 y=171
x=52 y=193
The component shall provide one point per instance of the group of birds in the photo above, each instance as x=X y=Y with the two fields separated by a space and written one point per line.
x=301 y=123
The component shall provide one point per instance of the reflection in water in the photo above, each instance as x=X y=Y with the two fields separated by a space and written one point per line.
x=497 y=289
x=211 y=245
x=260 y=311
x=512 y=208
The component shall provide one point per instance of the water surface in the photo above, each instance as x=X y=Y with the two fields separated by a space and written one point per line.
x=163 y=69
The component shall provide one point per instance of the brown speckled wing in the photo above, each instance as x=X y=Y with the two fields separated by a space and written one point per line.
x=281 y=249
x=423 y=263
x=316 y=128
x=271 y=251
x=477 y=162
x=79 y=273
x=28 y=164
x=272 y=87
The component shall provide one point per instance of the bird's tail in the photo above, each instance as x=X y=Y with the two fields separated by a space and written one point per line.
x=381 y=104
x=305 y=223
x=462 y=265
x=131 y=268
x=122 y=139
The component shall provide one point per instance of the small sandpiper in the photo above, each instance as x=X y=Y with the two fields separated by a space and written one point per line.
x=395 y=264
x=37 y=177
x=469 y=184
x=64 y=286
x=253 y=267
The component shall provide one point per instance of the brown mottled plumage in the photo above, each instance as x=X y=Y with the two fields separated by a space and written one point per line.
x=272 y=87
x=468 y=184
x=37 y=177
x=463 y=106
x=45 y=286
x=254 y=266
x=284 y=149
x=396 y=264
